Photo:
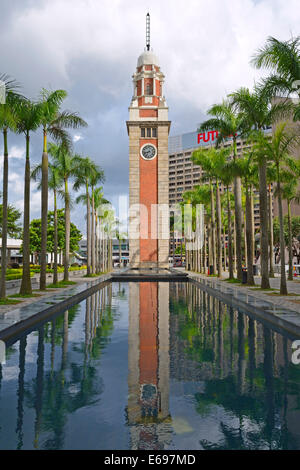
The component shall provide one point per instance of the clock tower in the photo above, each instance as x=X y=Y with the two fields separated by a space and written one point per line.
x=148 y=130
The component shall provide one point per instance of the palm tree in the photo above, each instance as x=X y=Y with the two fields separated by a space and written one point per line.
x=290 y=193
x=28 y=121
x=201 y=195
x=54 y=183
x=227 y=178
x=54 y=122
x=212 y=162
x=8 y=121
x=229 y=123
x=85 y=171
x=66 y=165
x=282 y=58
x=206 y=160
x=278 y=150
x=99 y=200
x=257 y=113
x=121 y=236
x=96 y=177
x=248 y=171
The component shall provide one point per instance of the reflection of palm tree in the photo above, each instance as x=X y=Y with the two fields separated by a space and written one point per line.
x=58 y=394
x=252 y=360
x=39 y=386
x=20 y=392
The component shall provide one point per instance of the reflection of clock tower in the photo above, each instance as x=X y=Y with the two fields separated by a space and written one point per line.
x=148 y=129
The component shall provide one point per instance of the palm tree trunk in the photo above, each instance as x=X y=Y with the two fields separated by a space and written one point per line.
x=204 y=253
x=271 y=235
x=249 y=234
x=67 y=227
x=252 y=221
x=283 y=286
x=210 y=256
x=224 y=249
x=238 y=216
x=263 y=210
x=26 y=281
x=96 y=244
x=290 y=235
x=219 y=224
x=230 y=260
x=234 y=246
x=55 y=277
x=44 y=215
x=93 y=233
x=4 y=218
x=238 y=225
x=88 y=231
x=213 y=229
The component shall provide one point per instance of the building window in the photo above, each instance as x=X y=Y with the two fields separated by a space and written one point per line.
x=154 y=132
x=148 y=131
x=142 y=132
x=148 y=89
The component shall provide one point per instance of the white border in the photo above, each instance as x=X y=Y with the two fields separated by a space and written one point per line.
x=148 y=159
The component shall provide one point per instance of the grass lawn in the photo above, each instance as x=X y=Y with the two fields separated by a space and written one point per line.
x=93 y=275
x=291 y=294
x=262 y=290
x=233 y=281
x=24 y=296
x=8 y=301
x=61 y=284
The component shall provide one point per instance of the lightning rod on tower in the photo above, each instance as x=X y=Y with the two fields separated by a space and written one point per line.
x=148 y=31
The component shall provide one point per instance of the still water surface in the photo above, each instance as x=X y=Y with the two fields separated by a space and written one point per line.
x=150 y=366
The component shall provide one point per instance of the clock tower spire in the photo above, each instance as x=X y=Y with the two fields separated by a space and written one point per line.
x=148 y=130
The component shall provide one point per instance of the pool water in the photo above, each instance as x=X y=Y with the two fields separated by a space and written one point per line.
x=150 y=365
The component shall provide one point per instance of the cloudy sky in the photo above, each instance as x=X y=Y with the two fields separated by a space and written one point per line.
x=90 y=49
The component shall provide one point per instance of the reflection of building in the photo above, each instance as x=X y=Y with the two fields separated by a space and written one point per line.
x=148 y=363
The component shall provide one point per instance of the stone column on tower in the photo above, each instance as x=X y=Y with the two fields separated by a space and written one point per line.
x=148 y=130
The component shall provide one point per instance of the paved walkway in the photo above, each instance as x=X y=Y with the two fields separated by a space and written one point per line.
x=48 y=301
x=282 y=310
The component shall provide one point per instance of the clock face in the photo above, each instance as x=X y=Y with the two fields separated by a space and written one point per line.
x=148 y=151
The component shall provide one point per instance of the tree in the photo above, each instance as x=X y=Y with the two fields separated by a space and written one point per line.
x=282 y=58
x=227 y=178
x=66 y=167
x=96 y=177
x=248 y=171
x=28 y=121
x=14 y=229
x=201 y=195
x=213 y=161
x=99 y=200
x=8 y=121
x=85 y=171
x=229 y=123
x=290 y=193
x=55 y=184
x=54 y=122
x=121 y=236
x=278 y=150
x=257 y=113
x=36 y=233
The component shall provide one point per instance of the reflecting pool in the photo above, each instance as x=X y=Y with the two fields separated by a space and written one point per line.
x=148 y=365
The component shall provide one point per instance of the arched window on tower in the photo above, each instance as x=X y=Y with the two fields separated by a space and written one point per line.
x=149 y=90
